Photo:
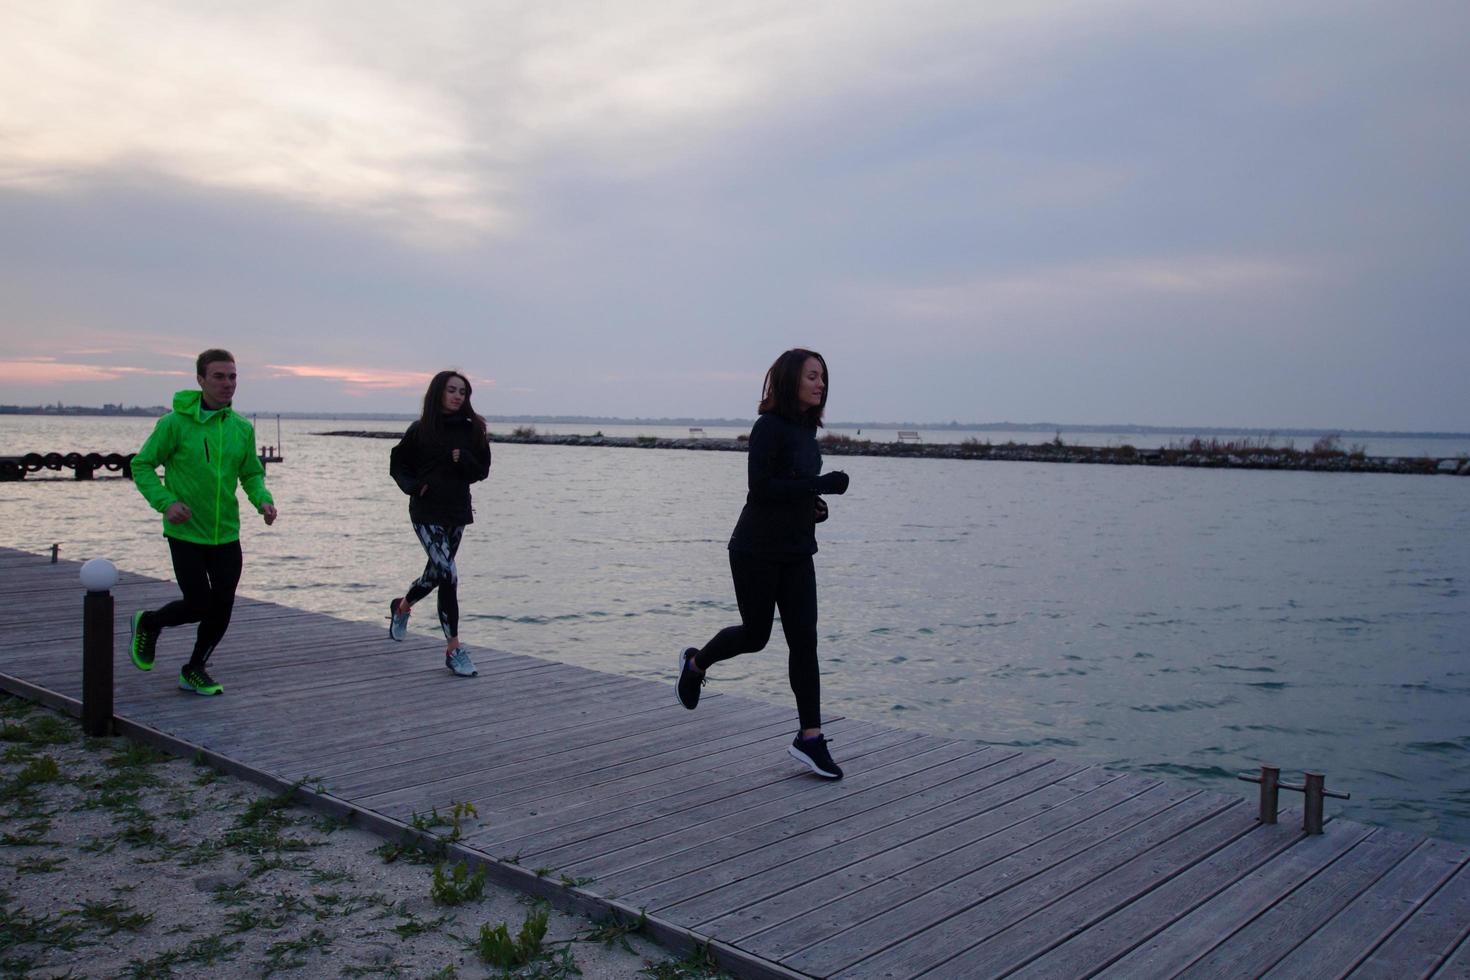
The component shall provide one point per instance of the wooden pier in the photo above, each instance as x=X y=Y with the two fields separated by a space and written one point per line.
x=935 y=857
x=86 y=466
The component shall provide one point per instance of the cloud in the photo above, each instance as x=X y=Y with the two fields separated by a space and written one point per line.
x=254 y=102
x=50 y=371
x=359 y=380
x=1082 y=286
x=1124 y=188
x=432 y=120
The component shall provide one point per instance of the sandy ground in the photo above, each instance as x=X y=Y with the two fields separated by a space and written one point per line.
x=117 y=861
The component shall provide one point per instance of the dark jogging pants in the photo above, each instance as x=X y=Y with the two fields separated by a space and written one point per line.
x=762 y=586
x=207 y=575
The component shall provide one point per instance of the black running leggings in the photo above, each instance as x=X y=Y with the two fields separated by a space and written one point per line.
x=207 y=575
x=762 y=586
x=440 y=544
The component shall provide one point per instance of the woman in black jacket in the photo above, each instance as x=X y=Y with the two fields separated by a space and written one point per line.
x=435 y=462
x=772 y=547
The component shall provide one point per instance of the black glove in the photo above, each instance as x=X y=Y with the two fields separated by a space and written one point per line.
x=834 y=482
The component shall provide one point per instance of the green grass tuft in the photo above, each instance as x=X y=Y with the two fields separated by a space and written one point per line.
x=458 y=886
x=113 y=917
x=615 y=929
x=292 y=954
x=497 y=947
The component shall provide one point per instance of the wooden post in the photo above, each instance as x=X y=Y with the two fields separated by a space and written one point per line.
x=1314 y=788
x=97 y=663
x=1270 y=780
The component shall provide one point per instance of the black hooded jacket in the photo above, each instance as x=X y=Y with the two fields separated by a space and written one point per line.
x=779 y=518
x=425 y=459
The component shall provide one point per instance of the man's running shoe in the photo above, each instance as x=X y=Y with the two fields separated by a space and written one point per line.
x=812 y=753
x=690 y=679
x=459 y=663
x=197 y=679
x=142 y=643
x=397 y=622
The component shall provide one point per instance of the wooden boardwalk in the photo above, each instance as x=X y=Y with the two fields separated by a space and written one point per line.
x=936 y=857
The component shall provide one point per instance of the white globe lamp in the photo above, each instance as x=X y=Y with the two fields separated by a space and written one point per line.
x=98 y=575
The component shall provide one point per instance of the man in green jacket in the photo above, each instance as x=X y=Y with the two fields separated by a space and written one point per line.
x=205 y=449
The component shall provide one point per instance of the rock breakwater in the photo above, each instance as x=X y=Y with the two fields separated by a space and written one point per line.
x=1269 y=458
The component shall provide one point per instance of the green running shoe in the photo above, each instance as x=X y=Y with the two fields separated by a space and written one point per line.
x=142 y=643
x=197 y=679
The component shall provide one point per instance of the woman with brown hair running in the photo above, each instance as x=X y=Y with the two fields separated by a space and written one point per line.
x=435 y=462
x=772 y=546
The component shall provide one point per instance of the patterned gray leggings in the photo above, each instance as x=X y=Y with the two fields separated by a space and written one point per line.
x=440 y=544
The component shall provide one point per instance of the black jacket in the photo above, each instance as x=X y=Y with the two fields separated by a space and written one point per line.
x=424 y=459
x=779 y=518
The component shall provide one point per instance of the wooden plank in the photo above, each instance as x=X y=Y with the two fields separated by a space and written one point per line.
x=1184 y=890
x=1352 y=936
x=1049 y=927
x=717 y=760
x=485 y=785
x=1457 y=964
x=408 y=702
x=424 y=717
x=442 y=706
x=409 y=682
x=1293 y=919
x=956 y=946
x=1191 y=936
x=612 y=742
x=422 y=756
x=1420 y=947
x=761 y=862
x=683 y=775
x=724 y=756
x=781 y=791
x=757 y=792
x=852 y=880
x=885 y=797
x=892 y=942
x=743 y=730
x=512 y=712
x=253 y=689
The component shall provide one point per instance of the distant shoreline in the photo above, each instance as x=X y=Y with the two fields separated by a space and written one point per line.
x=134 y=411
x=1212 y=455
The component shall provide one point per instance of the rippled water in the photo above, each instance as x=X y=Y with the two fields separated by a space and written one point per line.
x=1190 y=623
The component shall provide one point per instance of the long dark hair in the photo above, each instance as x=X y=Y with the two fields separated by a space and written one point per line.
x=783 y=385
x=432 y=421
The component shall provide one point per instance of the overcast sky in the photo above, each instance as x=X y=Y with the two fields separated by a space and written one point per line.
x=1152 y=211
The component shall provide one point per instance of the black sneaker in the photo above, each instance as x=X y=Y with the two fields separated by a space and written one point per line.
x=197 y=680
x=142 y=643
x=690 y=679
x=812 y=753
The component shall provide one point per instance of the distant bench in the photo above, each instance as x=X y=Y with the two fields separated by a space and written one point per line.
x=695 y=432
x=905 y=435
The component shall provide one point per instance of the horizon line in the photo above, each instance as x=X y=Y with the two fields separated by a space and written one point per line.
x=1003 y=426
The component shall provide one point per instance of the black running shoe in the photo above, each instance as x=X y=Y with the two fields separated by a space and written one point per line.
x=143 y=642
x=197 y=679
x=812 y=753
x=690 y=679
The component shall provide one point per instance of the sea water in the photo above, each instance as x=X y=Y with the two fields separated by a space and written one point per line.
x=1186 y=623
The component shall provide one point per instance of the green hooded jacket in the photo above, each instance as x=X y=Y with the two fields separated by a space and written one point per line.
x=203 y=454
